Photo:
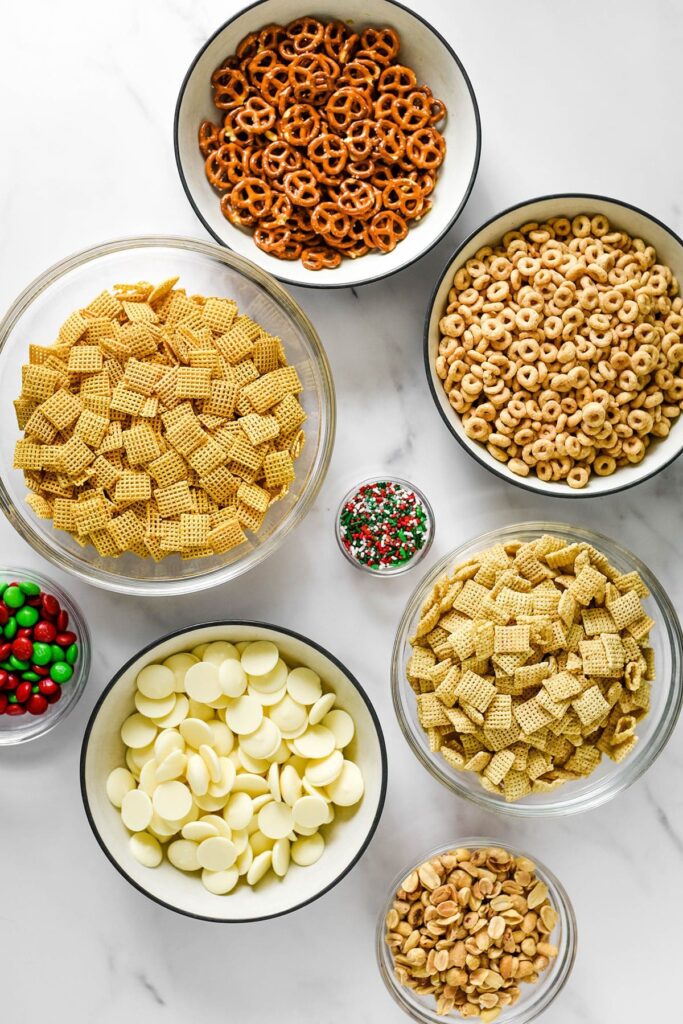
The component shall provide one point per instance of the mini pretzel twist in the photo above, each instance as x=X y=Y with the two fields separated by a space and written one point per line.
x=339 y=41
x=251 y=196
x=230 y=88
x=386 y=230
x=306 y=34
x=330 y=222
x=256 y=116
x=356 y=198
x=301 y=187
x=319 y=257
x=208 y=138
x=279 y=158
x=382 y=43
x=345 y=106
x=299 y=124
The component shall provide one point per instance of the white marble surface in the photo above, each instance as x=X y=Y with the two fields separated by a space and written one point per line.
x=578 y=96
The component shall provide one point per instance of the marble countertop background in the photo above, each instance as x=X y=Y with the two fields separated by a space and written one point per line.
x=580 y=97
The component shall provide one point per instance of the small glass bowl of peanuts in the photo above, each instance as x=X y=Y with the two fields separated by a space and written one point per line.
x=537 y=669
x=514 y=964
x=553 y=345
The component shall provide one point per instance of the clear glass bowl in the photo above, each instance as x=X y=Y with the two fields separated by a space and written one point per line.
x=207 y=269
x=534 y=999
x=417 y=557
x=609 y=778
x=20 y=728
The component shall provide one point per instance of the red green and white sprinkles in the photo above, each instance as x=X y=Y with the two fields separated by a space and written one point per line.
x=383 y=525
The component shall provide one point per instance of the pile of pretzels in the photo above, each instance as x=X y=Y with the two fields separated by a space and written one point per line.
x=327 y=147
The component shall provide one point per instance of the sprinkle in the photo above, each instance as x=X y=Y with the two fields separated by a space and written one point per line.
x=384 y=525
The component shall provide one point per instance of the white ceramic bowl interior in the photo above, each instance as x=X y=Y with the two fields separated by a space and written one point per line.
x=207 y=269
x=638 y=224
x=435 y=64
x=346 y=838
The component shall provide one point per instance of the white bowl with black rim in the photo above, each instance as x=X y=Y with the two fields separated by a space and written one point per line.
x=434 y=61
x=631 y=219
x=346 y=839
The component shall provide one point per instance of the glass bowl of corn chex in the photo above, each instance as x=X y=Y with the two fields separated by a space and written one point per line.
x=537 y=669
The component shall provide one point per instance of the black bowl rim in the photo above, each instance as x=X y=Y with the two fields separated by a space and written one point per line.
x=471 y=451
x=313 y=284
x=260 y=625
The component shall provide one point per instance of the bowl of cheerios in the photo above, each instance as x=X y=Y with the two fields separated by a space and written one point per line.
x=331 y=149
x=554 y=345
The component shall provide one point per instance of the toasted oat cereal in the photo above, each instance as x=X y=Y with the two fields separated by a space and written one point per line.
x=158 y=423
x=561 y=349
x=534 y=652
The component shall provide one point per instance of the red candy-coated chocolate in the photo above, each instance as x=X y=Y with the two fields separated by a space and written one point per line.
x=23 y=692
x=22 y=648
x=15 y=709
x=50 y=606
x=66 y=639
x=54 y=697
x=41 y=670
x=3 y=703
x=36 y=705
x=5 y=651
x=12 y=681
x=35 y=602
x=3 y=678
x=25 y=631
x=4 y=614
x=44 y=631
x=47 y=687
x=62 y=621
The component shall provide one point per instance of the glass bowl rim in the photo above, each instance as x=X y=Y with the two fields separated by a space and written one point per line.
x=37 y=538
x=45 y=723
x=623 y=775
x=419 y=556
x=556 y=978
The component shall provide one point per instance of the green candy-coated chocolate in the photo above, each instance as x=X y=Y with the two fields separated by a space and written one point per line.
x=13 y=597
x=29 y=588
x=60 y=672
x=18 y=665
x=27 y=616
x=35 y=689
x=31 y=677
x=6 y=666
x=12 y=699
x=72 y=654
x=11 y=628
x=42 y=654
x=57 y=652
x=3 y=588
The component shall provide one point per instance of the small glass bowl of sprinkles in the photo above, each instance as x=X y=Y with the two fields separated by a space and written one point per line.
x=384 y=525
